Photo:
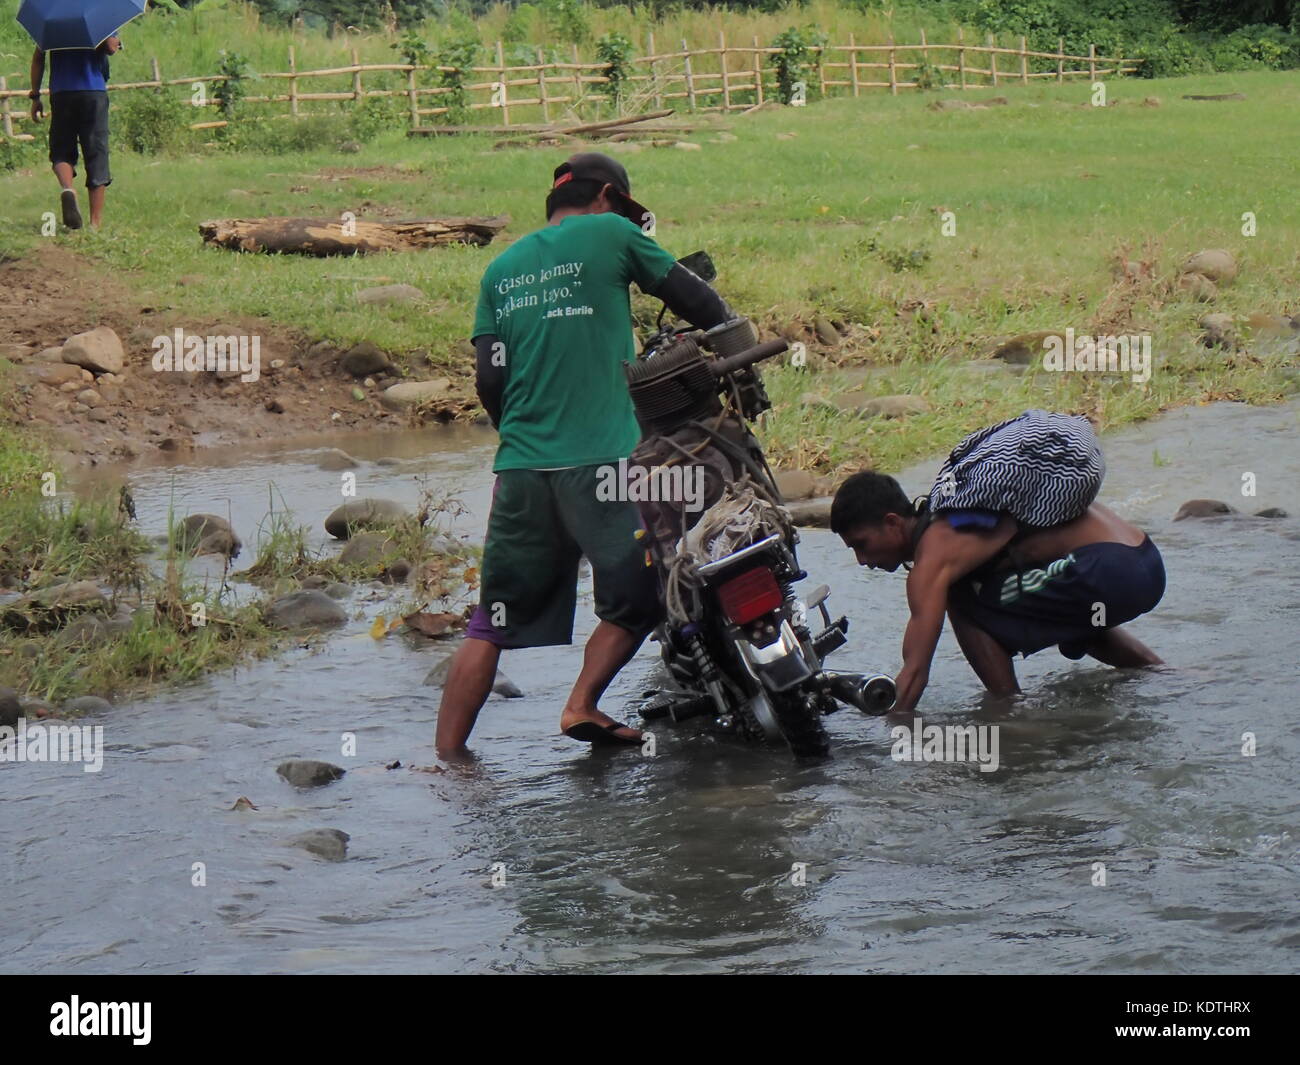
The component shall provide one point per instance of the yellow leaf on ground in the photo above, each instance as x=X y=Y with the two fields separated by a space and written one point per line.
x=380 y=628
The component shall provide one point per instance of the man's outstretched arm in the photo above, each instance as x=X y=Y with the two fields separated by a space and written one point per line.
x=943 y=556
x=692 y=298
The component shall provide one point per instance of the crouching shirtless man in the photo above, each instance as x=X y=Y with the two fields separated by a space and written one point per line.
x=1006 y=589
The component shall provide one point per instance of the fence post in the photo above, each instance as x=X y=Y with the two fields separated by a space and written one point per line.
x=893 y=74
x=157 y=71
x=993 y=59
x=1119 y=62
x=1060 y=59
x=758 y=72
x=577 y=82
x=1092 y=62
x=356 y=77
x=726 y=86
x=6 y=111
x=654 y=75
x=293 y=83
x=1024 y=63
x=501 y=75
x=853 y=63
x=961 y=58
x=925 y=57
x=541 y=87
x=414 y=97
x=690 y=80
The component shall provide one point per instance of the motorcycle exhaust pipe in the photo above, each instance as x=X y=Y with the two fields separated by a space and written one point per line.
x=873 y=694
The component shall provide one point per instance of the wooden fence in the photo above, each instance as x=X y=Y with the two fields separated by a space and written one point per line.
x=728 y=77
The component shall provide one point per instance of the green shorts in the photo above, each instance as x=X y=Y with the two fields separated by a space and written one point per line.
x=542 y=523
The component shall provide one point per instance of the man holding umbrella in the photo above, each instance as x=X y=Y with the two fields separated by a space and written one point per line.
x=78 y=36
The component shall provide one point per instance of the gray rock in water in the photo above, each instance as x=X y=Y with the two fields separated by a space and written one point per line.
x=338 y=590
x=90 y=630
x=87 y=704
x=1204 y=508
x=10 y=708
x=366 y=358
x=356 y=514
x=365 y=549
x=328 y=843
x=397 y=571
x=336 y=459
x=207 y=534
x=308 y=773
x=502 y=686
x=315 y=580
x=53 y=607
x=310 y=607
x=1271 y=512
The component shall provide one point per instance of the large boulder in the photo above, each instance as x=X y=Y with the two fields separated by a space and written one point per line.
x=408 y=394
x=367 y=513
x=305 y=609
x=99 y=351
x=207 y=534
x=86 y=704
x=309 y=773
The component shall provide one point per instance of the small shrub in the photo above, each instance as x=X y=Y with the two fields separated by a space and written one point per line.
x=150 y=121
x=615 y=51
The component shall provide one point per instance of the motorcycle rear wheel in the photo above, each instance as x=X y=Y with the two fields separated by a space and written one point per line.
x=801 y=721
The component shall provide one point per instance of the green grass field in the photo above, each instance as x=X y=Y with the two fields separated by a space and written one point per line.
x=833 y=209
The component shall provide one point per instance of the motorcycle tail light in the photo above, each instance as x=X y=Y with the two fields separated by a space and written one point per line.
x=749 y=596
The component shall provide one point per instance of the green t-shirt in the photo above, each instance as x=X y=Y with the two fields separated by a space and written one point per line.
x=557 y=300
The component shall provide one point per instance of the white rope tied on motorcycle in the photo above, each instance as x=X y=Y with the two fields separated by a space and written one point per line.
x=744 y=515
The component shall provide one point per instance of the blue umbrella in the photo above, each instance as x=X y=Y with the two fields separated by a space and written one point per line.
x=56 y=24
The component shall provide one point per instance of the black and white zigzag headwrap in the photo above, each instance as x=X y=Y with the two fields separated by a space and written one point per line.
x=1042 y=468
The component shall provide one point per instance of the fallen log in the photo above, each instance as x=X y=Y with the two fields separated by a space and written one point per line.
x=312 y=236
x=610 y=123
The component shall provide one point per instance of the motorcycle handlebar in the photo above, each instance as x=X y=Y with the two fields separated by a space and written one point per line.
x=732 y=363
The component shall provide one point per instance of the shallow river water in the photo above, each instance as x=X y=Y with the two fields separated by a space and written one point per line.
x=549 y=857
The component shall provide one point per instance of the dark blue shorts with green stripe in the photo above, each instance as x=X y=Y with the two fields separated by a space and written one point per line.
x=1066 y=603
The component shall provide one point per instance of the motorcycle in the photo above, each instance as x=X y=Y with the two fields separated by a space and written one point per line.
x=738 y=642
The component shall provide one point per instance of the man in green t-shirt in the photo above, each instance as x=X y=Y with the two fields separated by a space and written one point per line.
x=551 y=334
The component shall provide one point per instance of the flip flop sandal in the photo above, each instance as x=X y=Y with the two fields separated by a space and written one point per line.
x=71 y=213
x=600 y=735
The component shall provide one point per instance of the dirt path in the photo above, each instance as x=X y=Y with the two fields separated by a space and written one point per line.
x=53 y=294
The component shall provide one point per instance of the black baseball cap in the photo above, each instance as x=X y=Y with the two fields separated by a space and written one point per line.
x=598 y=167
